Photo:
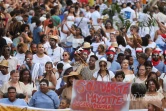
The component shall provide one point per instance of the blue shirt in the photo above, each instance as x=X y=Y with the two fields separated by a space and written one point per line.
x=114 y=67
x=36 y=36
x=136 y=64
x=17 y=102
x=161 y=67
x=41 y=100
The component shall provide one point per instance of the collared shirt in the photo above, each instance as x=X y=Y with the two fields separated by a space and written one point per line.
x=13 y=62
x=17 y=102
x=161 y=67
x=4 y=78
x=49 y=100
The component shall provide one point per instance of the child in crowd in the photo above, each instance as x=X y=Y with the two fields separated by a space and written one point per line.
x=64 y=104
x=119 y=76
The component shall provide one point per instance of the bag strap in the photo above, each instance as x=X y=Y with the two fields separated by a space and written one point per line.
x=54 y=21
x=80 y=21
x=51 y=99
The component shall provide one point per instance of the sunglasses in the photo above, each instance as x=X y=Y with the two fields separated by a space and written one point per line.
x=64 y=55
x=102 y=65
x=28 y=59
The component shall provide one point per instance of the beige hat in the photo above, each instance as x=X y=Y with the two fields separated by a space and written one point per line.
x=86 y=45
x=72 y=74
x=114 y=44
x=4 y=63
x=55 y=38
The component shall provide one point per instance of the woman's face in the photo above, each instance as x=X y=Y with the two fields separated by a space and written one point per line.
x=71 y=79
x=72 y=27
x=26 y=29
x=50 y=34
x=15 y=77
x=131 y=61
x=119 y=78
x=72 y=10
x=45 y=38
x=108 y=25
x=29 y=59
x=126 y=53
x=65 y=56
x=48 y=68
x=26 y=75
x=112 y=38
x=99 y=49
x=142 y=71
x=151 y=86
x=78 y=31
x=125 y=64
x=97 y=38
x=148 y=69
x=92 y=31
x=63 y=104
x=103 y=65
x=117 y=33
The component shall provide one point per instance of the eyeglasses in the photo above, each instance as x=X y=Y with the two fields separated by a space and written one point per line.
x=43 y=84
x=64 y=55
x=11 y=92
x=102 y=65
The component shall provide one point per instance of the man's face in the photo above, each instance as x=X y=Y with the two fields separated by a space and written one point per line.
x=110 y=57
x=6 y=51
x=92 y=61
x=155 y=56
x=52 y=42
x=3 y=69
x=85 y=55
x=12 y=95
x=34 y=48
x=40 y=49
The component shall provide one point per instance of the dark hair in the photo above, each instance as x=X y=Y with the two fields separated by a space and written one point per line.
x=128 y=50
x=11 y=87
x=135 y=27
x=48 y=15
x=39 y=44
x=52 y=11
x=143 y=56
x=23 y=26
x=121 y=41
x=120 y=73
x=67 y=71
x=147 y=49
x=128 y=57
x=14 y=71
x=97 y=7
x=120 y=54
x=22 y=73
x=151 y=73
x=28 y=53
x=45 y=80
x=68 y=82
x=148 y=63
x=60 y=66
x=94 y=56
x=128 y=4
x=138 y=90
x=67 y=100
x=145 y=40
x=2 y=31
x=155 y=82
x=38 y=22
x=34 y=19
x=51 y=25
x=73 y=12
x=49 y=63
x=108 y=21
x=41 y=38
x=3 y=49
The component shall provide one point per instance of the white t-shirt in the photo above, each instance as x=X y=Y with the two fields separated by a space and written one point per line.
x=20 y=58
x=8 y=40
x=106 y=78
x=163 y=77
x=128 y=13
x=4 y=78
x=55 y=54
x=42 y=61
x=77 y=42
x=95 y=15
x=95 y=46
x=102 y=8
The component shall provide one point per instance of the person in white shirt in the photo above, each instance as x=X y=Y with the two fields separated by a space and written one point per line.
x=129 y=13
x=40 y=57
x=88 y=13
x=159 y=15
x=102 y=6
x=55 y=52
x=20 y=54
x=96 y=16
x=4 y=74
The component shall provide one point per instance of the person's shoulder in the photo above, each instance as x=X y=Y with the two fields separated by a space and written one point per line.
x=51 y=92
x=3 y=100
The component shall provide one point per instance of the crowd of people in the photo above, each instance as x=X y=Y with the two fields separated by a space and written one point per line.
x=47 y=44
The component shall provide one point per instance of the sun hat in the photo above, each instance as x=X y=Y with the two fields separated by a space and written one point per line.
x=55 y=38
x=86 y=45
x=114 y=44
x=103 y=59
x=65 y=67
x=72 y=74
x=4 y=63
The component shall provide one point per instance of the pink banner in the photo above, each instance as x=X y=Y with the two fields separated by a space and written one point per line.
x=100 y=96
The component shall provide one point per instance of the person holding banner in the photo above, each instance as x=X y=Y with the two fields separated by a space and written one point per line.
x=103 y=74
x=67 y=92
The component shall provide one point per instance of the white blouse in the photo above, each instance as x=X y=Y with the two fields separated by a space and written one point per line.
x=106 y=78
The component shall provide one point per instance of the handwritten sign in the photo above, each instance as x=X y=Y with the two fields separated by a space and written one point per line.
x=100 y=96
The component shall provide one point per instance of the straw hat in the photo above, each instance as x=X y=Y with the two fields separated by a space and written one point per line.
x=86 y=45
x=72 y=74
x=114 y=44
x=103 y=59
x=55 y=38
x=4 y=63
